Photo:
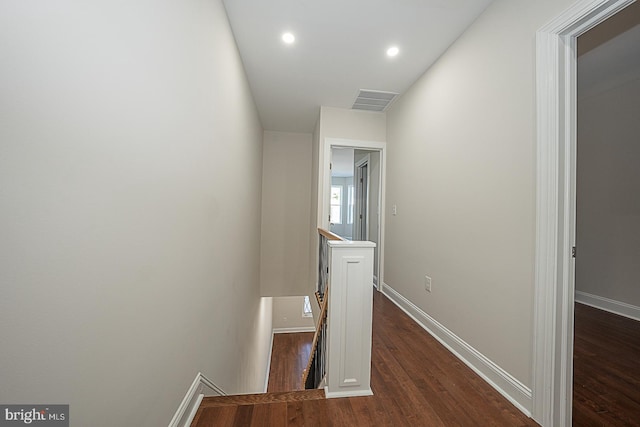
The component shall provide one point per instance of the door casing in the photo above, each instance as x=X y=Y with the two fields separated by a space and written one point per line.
x=360 y=200
x=556 y=104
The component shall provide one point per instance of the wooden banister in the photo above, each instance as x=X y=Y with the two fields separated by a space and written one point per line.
x=329 y=235
x=316 y=338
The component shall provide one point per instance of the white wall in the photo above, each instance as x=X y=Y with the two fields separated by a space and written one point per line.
x=335 y=123
x=345 y=124
x=286 y=178
x=461 y=170
x=312 y=275
x=352 y=124
x=287 y=314
x=608 y=194
x=129 y=261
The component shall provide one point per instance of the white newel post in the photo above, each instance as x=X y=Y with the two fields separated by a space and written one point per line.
x=349 y=319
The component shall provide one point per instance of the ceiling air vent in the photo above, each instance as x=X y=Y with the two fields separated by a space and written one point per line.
x=373 y=100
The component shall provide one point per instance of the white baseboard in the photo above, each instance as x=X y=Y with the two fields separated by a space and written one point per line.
x=612 y=306
x=516 y=392
x=337 y=394
x=295 y=330
x=200 y=387
x=266 y=377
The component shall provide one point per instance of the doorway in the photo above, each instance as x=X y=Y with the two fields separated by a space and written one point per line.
x=607 y=267
x=556 y=63
x=354 y=194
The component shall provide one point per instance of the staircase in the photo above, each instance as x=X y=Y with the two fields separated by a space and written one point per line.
x=340 y=361
x=288 y=408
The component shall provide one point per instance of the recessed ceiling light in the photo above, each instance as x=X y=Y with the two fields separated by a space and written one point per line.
x=288 y=38
x=392 y=51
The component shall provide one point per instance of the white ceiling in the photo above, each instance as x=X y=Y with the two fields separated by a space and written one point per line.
x=340 y=48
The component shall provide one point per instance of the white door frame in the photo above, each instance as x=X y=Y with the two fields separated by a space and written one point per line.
x=556 y=90
x=357 y=212
x=325 y=173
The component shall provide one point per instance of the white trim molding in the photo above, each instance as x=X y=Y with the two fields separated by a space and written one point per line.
x=507 y=385
x=338 y=394
x=266 y=375
x=612 y=306
x=200 y=387
x=556 y=96
x=294 y=330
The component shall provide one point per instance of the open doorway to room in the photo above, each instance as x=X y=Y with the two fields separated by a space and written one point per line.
x=606 y=372
x=555 y=261
x=356 y=195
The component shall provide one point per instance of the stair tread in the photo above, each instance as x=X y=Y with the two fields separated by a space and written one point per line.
x=251 y=399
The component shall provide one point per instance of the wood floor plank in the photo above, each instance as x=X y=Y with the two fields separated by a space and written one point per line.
x=365 y=413
x=269 y=414
x=244 y=415
x=341 y=413
x=295 y=417
x=398 y=382
x=292 y=355
x=386 y=412
x=223 y=416
x=315 y=413
x=606 y=389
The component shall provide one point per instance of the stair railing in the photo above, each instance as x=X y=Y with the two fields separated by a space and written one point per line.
x=315 y=372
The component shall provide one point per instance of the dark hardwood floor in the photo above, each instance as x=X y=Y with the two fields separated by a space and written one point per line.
x=289 y=358
x=606 y=378
x=266 y=409
x=415 y=380
x=422 y=383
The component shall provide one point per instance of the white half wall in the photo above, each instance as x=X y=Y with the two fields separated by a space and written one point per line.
x=129 y=259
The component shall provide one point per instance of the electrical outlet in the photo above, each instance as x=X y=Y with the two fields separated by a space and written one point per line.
x=427 y=283
x=394 y=210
